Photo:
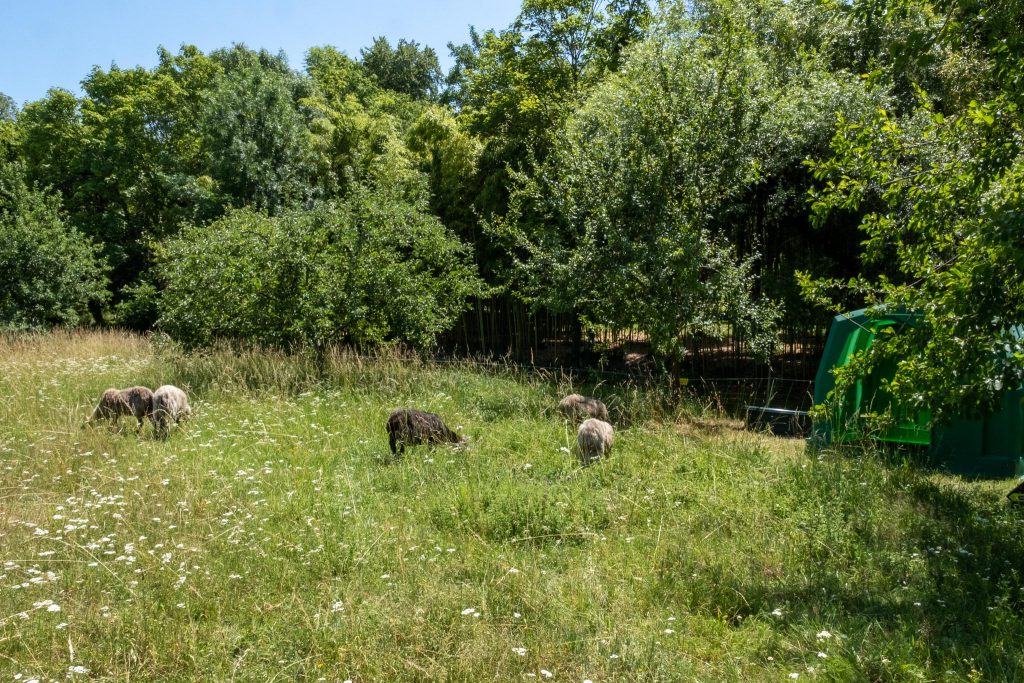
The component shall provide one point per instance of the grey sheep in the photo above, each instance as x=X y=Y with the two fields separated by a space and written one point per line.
x=575 y=406
x=169 y=403
x=114 y=403
x=594 y=438
x=414 y=427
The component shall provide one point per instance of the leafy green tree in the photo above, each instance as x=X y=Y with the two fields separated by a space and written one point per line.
x=49 y=272
x=254 y=137
x=370 y=269
x=356 y=129
x=8 y=129
x=770 y=216
x=126 y=158
x=448 y=154
x=515 y=88
x=619 y=224
x=407 y=68
x=8 y=109
x=940 y=195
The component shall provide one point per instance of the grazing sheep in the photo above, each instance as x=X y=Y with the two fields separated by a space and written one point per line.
x=595 y=438
x=114 y=403
x=575 y=406
x=169 y=403
x=413 y=427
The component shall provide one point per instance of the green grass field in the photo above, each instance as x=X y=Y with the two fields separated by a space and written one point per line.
x=273 y=538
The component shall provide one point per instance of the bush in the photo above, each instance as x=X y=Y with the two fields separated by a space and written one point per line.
x=372 y=269
x=49 y=272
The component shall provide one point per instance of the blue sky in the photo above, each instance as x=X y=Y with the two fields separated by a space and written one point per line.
x=52 y=43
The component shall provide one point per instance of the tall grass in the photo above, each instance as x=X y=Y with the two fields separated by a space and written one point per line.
x=274 y=537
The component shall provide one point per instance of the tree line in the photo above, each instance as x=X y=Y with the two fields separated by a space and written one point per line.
x=682 y=170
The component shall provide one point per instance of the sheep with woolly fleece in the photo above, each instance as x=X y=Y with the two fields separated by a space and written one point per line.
x=114 y=403
x=169 y=403
x=594 y=438
x=576 y=406
x=414 y=427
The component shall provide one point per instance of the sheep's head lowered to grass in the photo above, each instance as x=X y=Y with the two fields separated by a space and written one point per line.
x=115 y=403
x=576 y=406
x=169 y=403
x=595 y=439
x=414 y=427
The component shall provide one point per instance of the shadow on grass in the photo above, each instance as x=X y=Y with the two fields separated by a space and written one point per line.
x=936 y=585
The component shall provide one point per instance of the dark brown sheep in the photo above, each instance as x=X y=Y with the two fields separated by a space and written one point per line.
x=414 y=427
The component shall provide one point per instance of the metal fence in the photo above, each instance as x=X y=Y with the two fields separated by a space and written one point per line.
x=725 y=365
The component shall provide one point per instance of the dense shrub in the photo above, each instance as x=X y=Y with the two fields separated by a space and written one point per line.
x=371 y=269
x=49 y=272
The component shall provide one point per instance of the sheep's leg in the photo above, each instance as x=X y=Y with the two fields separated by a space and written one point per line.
x=392 y=443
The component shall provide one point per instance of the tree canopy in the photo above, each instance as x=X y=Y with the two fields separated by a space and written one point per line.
x=685 y=170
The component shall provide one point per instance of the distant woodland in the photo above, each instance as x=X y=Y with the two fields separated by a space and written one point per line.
x=686 y=173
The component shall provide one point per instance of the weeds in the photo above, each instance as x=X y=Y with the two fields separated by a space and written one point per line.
x=273 y=535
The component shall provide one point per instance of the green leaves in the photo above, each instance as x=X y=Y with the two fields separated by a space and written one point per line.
x=405 y=69
x=371 y=269
x=49 y=272
x=944 y=190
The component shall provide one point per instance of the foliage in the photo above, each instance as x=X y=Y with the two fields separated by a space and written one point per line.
x=370 y=269
x=406 y=68
x=948 y=192
x=125 y=157
x=255 y=140
x=623 y=223
x=356 y=129
x=449 y=156
x=8 y=128
x=515 y=87
x=49 y=272
x=8 y=109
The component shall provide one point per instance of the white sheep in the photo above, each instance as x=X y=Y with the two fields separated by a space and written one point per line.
x=169 y=403
x=594 y=438
x=114 y=403
x=575 y=406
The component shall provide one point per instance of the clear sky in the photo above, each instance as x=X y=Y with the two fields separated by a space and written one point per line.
x=55 y=43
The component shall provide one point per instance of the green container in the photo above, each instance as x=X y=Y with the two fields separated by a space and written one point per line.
x=851 y=333
x=990 y=446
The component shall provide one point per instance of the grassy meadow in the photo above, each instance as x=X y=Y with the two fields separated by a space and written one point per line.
x=273 y=538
